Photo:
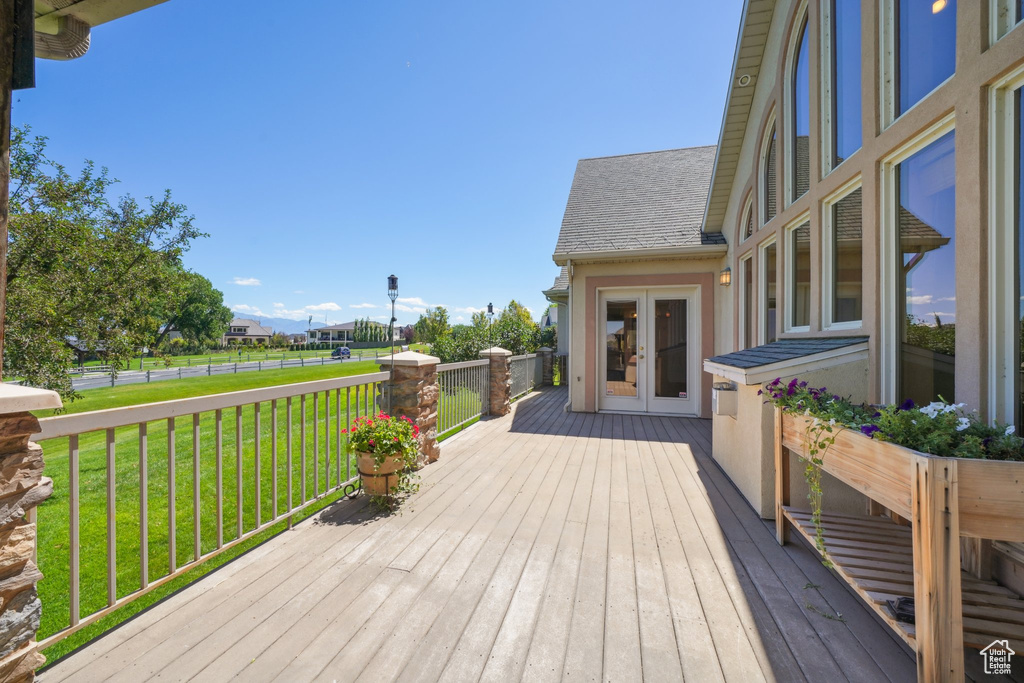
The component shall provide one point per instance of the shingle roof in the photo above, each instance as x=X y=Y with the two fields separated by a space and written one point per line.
x=562 y=281
x=252 y=327
x=784 y=349
x=638 y=201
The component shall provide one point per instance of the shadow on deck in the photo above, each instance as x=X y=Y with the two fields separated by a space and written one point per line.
x=543 y=545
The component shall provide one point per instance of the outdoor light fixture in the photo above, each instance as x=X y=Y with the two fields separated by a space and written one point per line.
x=725 y=277
x=938 y=6
x=490 y=319
x=392 y=294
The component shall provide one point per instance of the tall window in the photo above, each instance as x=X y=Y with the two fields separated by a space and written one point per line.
x=747 y=269
x=846 y=60
x=798 y=254
x=1018 y=130
x=926 y=189
x=747 y=226
x=768 y=287
x=800 y=170
x=768 y=198
x=846 y=274
x=925 y=48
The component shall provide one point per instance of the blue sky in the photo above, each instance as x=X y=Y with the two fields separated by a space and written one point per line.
x=325 y=147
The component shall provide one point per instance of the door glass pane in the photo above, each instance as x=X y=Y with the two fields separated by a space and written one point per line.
x=620 y=336
x=800 y=268
x=800 y=170
x=847 y=247
x=926 y=47
x=927 y=272
x=670 y=348
x=748 y=304
x=770 y=303
x=846 y=60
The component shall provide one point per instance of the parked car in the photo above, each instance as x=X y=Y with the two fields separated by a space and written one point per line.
x=341 y=352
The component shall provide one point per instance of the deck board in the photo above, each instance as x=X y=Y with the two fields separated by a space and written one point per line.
x=543 y=546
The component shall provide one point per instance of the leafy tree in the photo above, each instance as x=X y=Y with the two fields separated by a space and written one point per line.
x=81 y=266
x=461 y=343
x=432 y=325
x=409 y=333
x=193 y=307
x=279 y=340
x=515 y=330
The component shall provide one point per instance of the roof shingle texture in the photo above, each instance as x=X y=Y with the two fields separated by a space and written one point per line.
x=784 y=349
x=638 y=201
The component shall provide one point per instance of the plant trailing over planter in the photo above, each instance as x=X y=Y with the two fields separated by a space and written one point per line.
x=388 y=451
x=940 y=428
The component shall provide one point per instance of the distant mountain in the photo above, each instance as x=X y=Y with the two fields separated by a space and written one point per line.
x=285 y=325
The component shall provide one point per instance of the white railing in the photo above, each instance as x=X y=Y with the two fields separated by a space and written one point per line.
x=526 y=374
x=464 y=393
x=108 y=480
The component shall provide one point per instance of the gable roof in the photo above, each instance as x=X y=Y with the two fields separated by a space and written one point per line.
x=755 y=22
x=252 y=327
x=653 y=200
x=341 y=327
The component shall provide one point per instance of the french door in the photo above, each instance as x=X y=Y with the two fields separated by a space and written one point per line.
x=648 y=348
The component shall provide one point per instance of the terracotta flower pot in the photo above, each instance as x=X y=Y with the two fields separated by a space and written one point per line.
x=378 y=481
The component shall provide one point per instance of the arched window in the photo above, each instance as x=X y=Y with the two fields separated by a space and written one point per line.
x=747 y=223
x=799 y=172
x=766 y=176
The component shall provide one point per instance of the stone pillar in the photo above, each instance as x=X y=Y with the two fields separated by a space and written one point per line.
x=501 y=379
x=547 y=368
x=22 y=488
x=413 y=394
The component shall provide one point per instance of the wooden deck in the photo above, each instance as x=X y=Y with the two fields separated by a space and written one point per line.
x=542 y=546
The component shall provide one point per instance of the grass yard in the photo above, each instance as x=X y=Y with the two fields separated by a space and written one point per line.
x=53 y=515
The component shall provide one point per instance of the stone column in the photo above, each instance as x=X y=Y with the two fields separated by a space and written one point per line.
x=22 y=488
x=547 y=368
x=501 y=379
x=413 y=394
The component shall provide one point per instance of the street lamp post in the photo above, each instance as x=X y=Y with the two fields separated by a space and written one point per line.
x=392 y=294
x=490 y=321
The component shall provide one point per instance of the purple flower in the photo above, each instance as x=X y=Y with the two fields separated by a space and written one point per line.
x=869 y=430
x=835 y=397
x=907 y=405
x=759 y=392
x=791 y=389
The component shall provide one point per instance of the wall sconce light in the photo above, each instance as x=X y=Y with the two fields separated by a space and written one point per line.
x=725 y=277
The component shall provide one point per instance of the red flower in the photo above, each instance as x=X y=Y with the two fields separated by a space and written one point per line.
x=396 y=438
x=371 y=442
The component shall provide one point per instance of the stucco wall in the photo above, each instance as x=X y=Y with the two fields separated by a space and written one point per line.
x=745 y=445
x=664 y=272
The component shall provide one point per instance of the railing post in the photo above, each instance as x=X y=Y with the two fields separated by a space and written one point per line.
x=22 y=488
x=413 y=393
x=547 y=371
x=500 y=372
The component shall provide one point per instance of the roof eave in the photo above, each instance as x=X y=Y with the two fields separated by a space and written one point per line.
x=706 y=250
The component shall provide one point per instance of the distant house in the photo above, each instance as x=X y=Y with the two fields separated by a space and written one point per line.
x=246 y=331
x=344 y=333
x=558 y=295
x=299 y=338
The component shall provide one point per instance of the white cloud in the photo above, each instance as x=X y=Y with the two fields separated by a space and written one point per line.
x=298 y=291
x=410 y=309
x=328 y=306
x=460 y=318
x=278 y=305
x=246 y=281
x=469 y=309
x=363 y=306
x=919 y=300
x=245 y=308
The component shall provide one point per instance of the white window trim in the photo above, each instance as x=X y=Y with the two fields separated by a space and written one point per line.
x=889 y=325
x=827 y=92
x=788 y=115
x=1002 y=252
x=762 y=288
x=789 y=289
x=1002 y=18
x=762 y=167
x=827 y=252
x=744 y=304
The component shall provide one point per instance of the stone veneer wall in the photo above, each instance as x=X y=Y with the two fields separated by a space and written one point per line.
x=500 y=380
x=413 y=394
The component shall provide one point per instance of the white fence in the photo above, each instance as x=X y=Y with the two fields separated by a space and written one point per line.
x=464 y=393
x=526 y=374
x=128 y=463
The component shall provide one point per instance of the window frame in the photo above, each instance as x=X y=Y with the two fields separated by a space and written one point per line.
x=827 y=142
x=788 y=151
x=789 y=289
x=1002 y=19
x=827 y=253
x=1003 y=342
x=745 y=305
x=762 y=288
x=747 y=217
x=762 y=170
x=889 y=326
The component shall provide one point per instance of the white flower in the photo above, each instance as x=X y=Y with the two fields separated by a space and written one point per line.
x=962 y=424
x=913 y=422
x=1009 y=430
x=832 y=422
x=930 y=410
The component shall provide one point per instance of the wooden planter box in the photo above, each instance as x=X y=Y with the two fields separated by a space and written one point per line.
x=944 y=499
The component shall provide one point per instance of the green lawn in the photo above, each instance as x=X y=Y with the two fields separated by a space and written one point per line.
x=53 y=514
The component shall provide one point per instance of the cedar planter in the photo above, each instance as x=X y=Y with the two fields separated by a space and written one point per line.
x=379 y=480
x=944 y=499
